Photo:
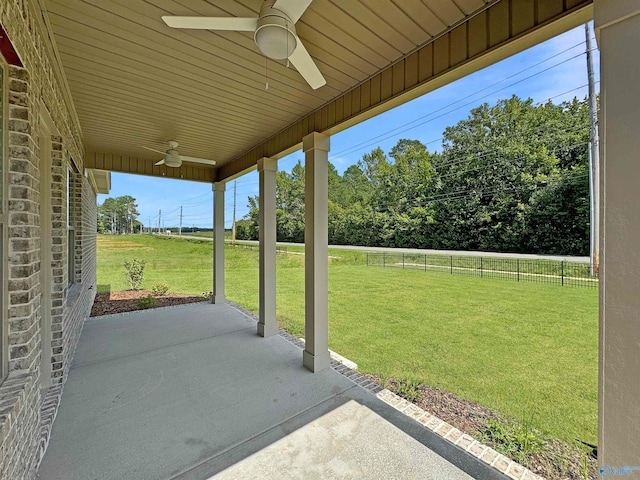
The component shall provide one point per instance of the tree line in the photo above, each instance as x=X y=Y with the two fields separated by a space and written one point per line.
x=119 y=215
x=512 y=177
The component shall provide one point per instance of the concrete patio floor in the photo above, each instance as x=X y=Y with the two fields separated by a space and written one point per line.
x=192 y=392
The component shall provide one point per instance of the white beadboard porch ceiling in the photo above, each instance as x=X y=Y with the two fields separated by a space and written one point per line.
x=135 y=81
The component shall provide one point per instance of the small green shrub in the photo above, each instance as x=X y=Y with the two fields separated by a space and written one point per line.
x=408 y=389
x=513 y=439
x=159 y=289
x=135 y=272
x=146 y=302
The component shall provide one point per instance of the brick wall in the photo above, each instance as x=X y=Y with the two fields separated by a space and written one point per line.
x=77 y=298
x=26 y=411
x=20 y=393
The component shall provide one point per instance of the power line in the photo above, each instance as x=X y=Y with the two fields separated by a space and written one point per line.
x=462 y=172
x=505 y=174
x=459 y=195
x=539 y=129
x=386 y=136
x=568 y=91
x=456 y=160
x=193 y=204
x=465 y=98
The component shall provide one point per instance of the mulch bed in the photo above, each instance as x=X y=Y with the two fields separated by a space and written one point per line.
x=120 y=302
x=558 y=460
x=462 y=414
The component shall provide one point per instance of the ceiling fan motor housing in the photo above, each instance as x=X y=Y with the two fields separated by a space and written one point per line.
x=172 y=159
x=275 y=34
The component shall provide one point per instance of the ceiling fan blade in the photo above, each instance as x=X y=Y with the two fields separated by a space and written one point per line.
x=213 y=23
x=197 y=160
x=293 y=8
x=154 y=150
x=306 y=66
x=161 y=162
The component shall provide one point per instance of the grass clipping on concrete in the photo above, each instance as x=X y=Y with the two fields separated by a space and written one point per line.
x=524 y=350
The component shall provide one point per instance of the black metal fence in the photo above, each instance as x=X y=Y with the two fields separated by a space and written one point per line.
x=569 y=274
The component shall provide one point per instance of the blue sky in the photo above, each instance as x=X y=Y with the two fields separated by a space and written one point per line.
x=545 y=71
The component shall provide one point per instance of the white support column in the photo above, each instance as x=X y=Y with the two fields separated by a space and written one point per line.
x=316 y=244
x=218 y=243
x=267 y=324
x=617 y=25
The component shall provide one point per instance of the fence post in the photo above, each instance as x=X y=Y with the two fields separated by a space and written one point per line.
x=518 y=262
x=384 y=259
x=451 y=264
x=425 y=262
x=480 y=267
x=562 y=272
x=367 y=259
x=403 y=260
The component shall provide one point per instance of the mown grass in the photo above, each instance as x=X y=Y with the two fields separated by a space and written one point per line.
x=523 y=349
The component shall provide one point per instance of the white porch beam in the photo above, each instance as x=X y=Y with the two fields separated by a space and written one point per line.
x=218 y=243
x=316 y=246
x=617 y=25
x=267 y=324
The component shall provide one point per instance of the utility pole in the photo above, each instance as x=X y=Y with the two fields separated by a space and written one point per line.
x=180 y=228
x=159 y=220
x=233 y=226
x=149 y=226
x=594 y=161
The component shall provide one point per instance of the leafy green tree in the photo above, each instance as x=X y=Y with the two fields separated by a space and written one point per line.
x=290 y=205
x=101 y=227
x=118 y=215
x=557 y=218
x=510 y=177
x=244 y=229
x=492 y=164
x=356 y=189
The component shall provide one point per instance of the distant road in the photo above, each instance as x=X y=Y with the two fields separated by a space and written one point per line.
x=424 y=251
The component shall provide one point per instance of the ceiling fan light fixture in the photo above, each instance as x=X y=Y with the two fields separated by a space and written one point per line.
x=172 y=159
x=173 y=162
x=275 y=36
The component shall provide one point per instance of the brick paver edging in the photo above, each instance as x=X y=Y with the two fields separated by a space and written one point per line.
x=460 y=439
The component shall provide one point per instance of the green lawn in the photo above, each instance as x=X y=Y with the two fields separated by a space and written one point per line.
x=523 y=349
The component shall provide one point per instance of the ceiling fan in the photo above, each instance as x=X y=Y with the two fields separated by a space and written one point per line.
x=172 y=157
x=274 y=33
